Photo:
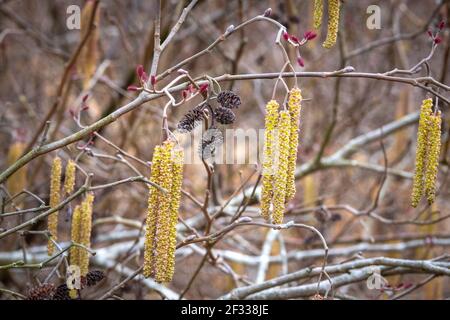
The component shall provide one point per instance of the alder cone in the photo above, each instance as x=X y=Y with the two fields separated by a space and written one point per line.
x=42 y=292
x=192 y=119
x=229 y=99
x=224 y=115
x=94 y=277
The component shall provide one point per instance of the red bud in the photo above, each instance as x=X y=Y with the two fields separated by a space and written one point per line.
x=144 y=77
x=139 y=71
x=85 y=97
x=184 y=93
x=309 y=35
x=430 y=33
x=441 y=25
x=285 y=36
x=268 y=12
x=301 y=62
x=204 y=87
x=437 y=40
x=153 y=80
x=132 y=88
x=295 y=39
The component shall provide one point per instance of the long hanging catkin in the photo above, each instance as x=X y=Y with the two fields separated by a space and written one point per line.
x=69 y=180
x=318 y=12
x=162 y=217
x=333 y=23
x=163 y=223
x=75 y=236
x=421 y=152
x=271 y=122
x=152 y=215
x=175 y=195
x=294 y=104
x=17 y=182
x=85 y=232
x=283 y=148
x=434 y=149
x=55 y=189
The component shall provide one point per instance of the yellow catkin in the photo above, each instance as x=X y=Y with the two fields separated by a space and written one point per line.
x=85 y=232
x=271 y=121
x=17 y=182
x=69 y=180
x=294 y=104
x=55 y=189
x=163 y=222
x=318 y=12
x=279 y=193
x=75 y=236
x=333 y=23
x=152 y=215
x=175 y=195
x=421 y=152
x=434 y=149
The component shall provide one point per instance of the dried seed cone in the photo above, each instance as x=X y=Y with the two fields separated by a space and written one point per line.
x=294 y=104
x=74 y=254
x=271 y=122
x=163 y=221
x=94 y=277
x=318 y=12
x=279 y=193
x=229 y=99
x=69 y=180
x=192 y=119
x=434 y=149
x=42 y=292
x=85 y=232
x=224 y=115
x=55 y=188
x=421 y=152
x=175 y=195
x=333 y=23
x=152 y=215
x=17 y=182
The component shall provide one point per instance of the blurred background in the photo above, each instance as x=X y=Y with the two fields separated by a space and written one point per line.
x=35 y=44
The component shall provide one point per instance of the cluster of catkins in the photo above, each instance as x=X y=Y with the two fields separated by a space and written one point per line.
x=333 y=20
x=280 y=155
x=221 y=114
x=162 y=217
x=427 y=154
x=81 y=217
